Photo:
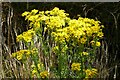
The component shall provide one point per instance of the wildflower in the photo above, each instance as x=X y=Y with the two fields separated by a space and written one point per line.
x=94 y=70
x=19 y=57
x=56 y=9
x=26 y=36
x=39 y=65
x=95 y=29
x=41 y=12
x=14 y=54
x=47 y=12
x=34 y=72
x=95 y=43
x=100 y=34
x=75 y=66
x=34 y=11
x=91 y=73
x=19 y=54
x=83 y=40
x=25 y=13
x=19 y=37
x=98 y=44
x=85 y=53
x=45 y=18
x=44 y=74
x=55 y=22
x=56 y=48
x=34 y=50
x=31 y=18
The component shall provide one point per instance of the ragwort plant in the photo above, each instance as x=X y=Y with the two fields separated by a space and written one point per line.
x=67 y=45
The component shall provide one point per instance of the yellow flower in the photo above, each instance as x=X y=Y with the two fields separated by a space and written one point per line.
x=91 y=73
x=14 y=55
x=25 y=13
x=39 y=65
x=92 y=42
x=98 y=44
x=55 y=22
x=45 y=18
x=19 y=54
x=75 y=66
x=19 y=37
x=83 y=40
x=95 y=29
x=56 y=9
x=31 y=18
x=85 y=53
x=19 y=57
x=94 y=70
x=34 y=72
x=27 y=36
x=41 y=12
x=55 y=48
x=100 y=34
x=44 y=74
x=34 y=51
x=34 y=11
x=47 y=12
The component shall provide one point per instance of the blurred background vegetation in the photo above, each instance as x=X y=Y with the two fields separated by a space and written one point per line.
x=14 y=24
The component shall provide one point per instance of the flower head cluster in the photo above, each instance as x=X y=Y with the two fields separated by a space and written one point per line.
x=79 y=30
x=25 y=13
x=98 y=44
x=75 y=66
x=55 y=22
x=64 y=33
x=56 y=12
x=85 y=53
x=63 y=28
x=44 y=74
x=26 y=36
x=91 y=73
x=53 y=19
x=35 y=69
x=21 y=54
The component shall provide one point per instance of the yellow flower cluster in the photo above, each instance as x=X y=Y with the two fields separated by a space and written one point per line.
x=20 y=54
x=75 y=66
x=54 y=49
x=83 y=40
x=39 y=66
x=23 y=54
x=26 y=36
x=25 y=13
x=44 y=74
x=34 y=68
x=53 y=19
x=91 y=73
x=56 y=18
x=98 y=44
x=85 y=53
x=79 y=29
x=62 y=27
x=57 y=12
x=55 y=22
